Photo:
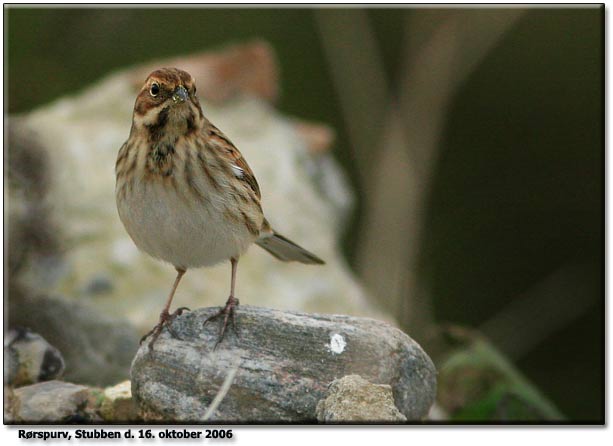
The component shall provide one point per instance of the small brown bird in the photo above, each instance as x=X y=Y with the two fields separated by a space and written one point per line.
x=184 y=192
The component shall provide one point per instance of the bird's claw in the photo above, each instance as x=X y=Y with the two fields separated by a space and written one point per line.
x=228 y=312
x=166 y=320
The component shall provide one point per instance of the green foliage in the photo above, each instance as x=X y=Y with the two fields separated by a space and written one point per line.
x=477 y=383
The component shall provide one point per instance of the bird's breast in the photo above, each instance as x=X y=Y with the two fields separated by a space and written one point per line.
x=182 y=210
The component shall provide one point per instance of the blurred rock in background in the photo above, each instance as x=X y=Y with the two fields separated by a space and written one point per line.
x=32 y=234
x=66 y=239
x=97 y=348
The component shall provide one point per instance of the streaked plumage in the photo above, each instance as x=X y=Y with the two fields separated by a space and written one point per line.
x=184 y=192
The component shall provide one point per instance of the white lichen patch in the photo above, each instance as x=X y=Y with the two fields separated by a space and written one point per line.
x=337 y=344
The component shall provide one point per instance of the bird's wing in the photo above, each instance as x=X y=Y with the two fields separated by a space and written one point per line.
x=238 y=164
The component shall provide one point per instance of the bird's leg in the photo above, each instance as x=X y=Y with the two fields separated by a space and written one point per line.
x=165 y=317
x=228 y=311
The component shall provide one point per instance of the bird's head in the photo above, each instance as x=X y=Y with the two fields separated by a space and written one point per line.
x=167 y=104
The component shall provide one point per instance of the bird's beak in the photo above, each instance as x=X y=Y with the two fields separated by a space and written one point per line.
x=180 y=94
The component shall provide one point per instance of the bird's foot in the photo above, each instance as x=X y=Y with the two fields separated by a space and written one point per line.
x=228 y=313
x=166 y=320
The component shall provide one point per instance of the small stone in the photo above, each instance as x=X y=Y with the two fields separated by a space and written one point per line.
x=353 y=399
x=117 y=405
x=29 y=358
x=51 y=402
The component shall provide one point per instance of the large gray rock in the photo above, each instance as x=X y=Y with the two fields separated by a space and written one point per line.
x=281 y=366
x=352 y=399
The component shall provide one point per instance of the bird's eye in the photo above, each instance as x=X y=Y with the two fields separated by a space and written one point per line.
x=155 y=89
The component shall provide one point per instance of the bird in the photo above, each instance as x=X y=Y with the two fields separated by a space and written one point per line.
x=186 y=195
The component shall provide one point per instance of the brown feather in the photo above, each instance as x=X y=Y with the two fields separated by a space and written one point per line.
x=231 y=155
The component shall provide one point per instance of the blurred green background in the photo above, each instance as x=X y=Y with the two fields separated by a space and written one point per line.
x=512 y=222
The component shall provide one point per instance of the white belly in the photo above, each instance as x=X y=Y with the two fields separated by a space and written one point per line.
x=183 y=232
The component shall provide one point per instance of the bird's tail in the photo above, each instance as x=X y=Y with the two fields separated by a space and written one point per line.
x=286 y=250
